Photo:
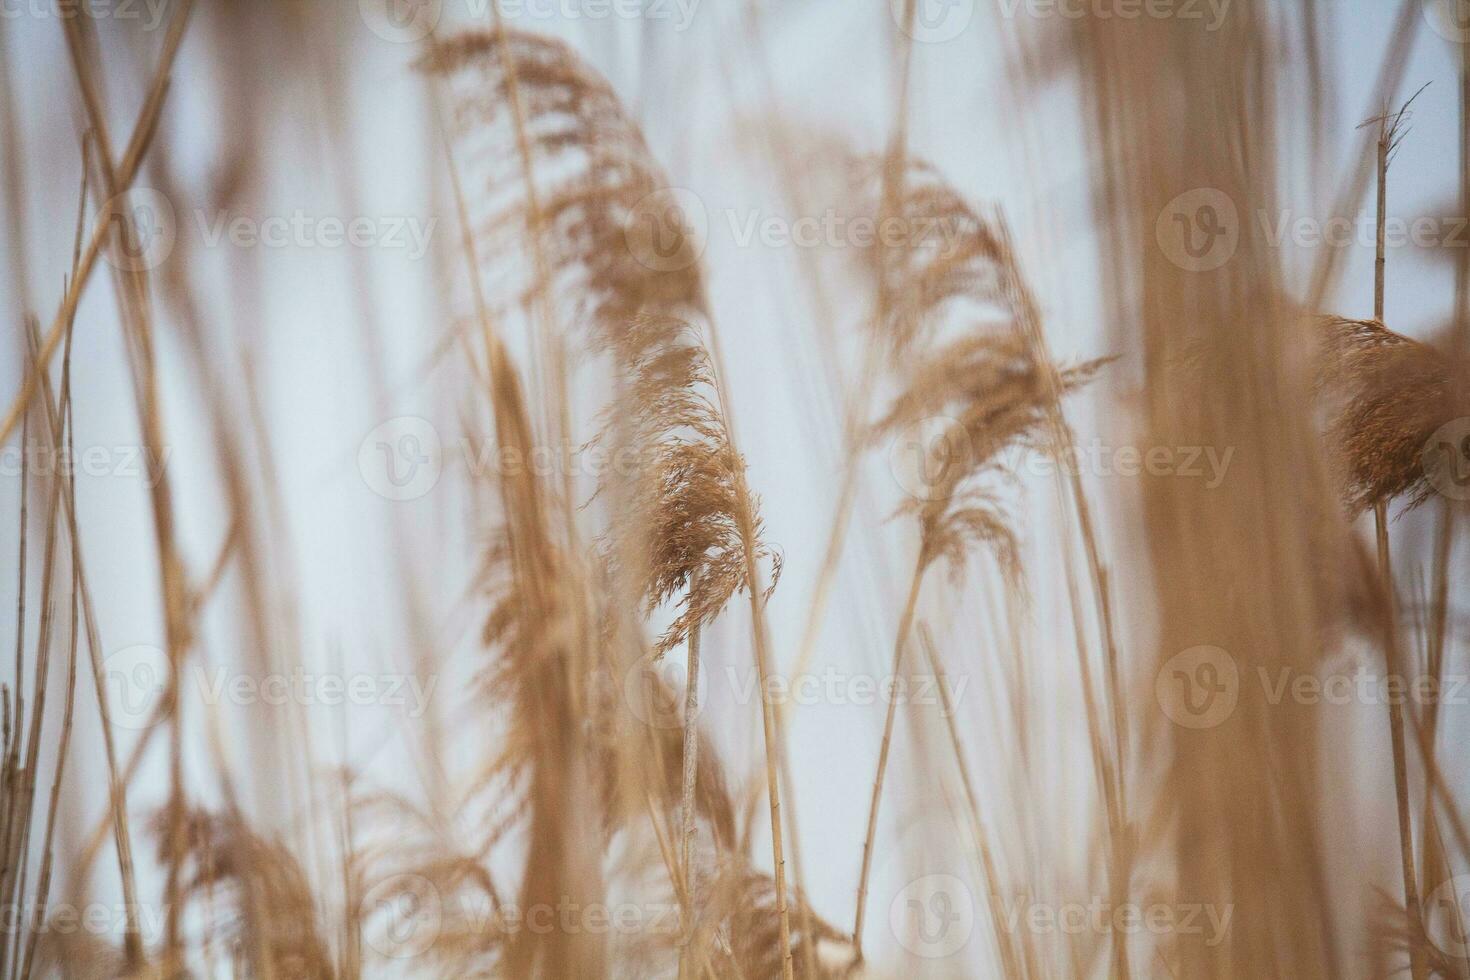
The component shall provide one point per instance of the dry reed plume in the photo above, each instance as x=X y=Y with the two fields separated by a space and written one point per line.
x=587 y=743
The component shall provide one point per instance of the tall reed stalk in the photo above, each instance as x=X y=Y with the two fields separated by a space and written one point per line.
x=1388 y=137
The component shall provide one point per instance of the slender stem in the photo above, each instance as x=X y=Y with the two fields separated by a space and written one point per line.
x=788 y=789
x=691 y=767
x=1110 y=771
x=681 y=887
x=900 y=646
x=1380 y=259
x=892 y=203
x=43 y=884
x=853 y=432
x=1009 y=960
x=1400 y=756
x=1434 y=870
x=691 y=752
x=771 y=729
x=18 y=845
x=117 y=785
x=771 y=720
x=1380 y=521
x=142 y=135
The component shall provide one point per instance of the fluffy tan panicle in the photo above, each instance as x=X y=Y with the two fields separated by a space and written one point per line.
x=593 y=209
x=975 y=389
x=977 y=380
x=685 y=485
x=1384 y=396
x=738 y=920
x=581 y=201
x=1228 y=572
x=593 y=177
x=539 y=679
x=537 y=626
x=949 y=255
x=987 y=392
x=416 y=868
x=254 y=892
